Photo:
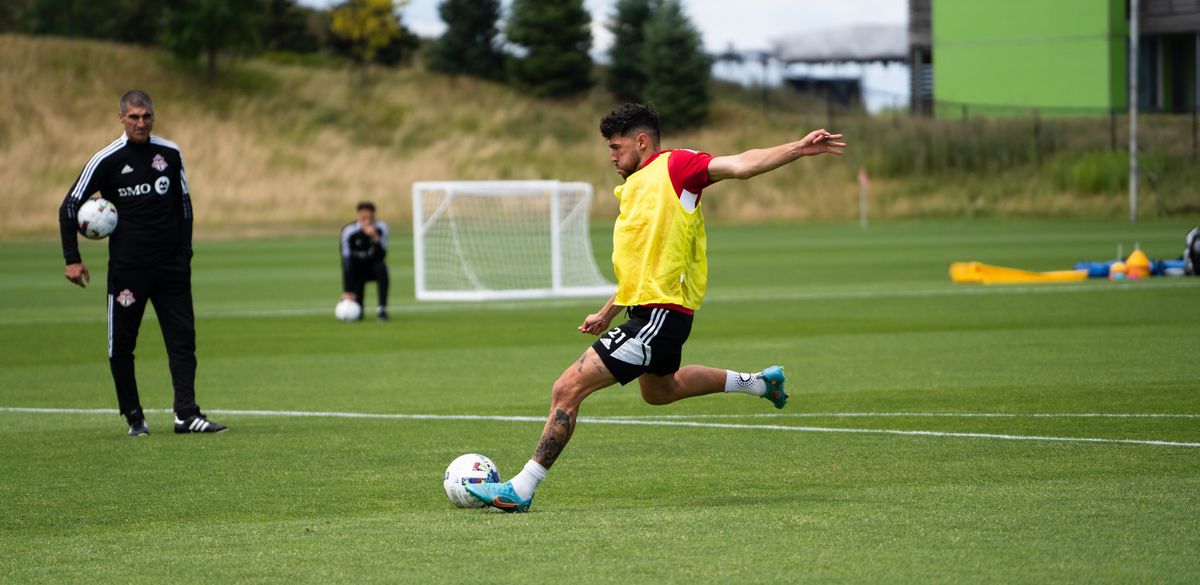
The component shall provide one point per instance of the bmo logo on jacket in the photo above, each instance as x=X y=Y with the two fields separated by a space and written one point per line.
x=134 y=191
x=161 y=186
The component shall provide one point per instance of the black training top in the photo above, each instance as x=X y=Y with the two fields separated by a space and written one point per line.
x=147 y=184
x=359 y=249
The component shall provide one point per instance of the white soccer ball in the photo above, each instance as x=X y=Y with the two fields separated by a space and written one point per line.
x=347 y=310
x=97 y=219
x=469 y=468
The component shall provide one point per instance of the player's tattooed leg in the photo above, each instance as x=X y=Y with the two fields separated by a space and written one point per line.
x=597 y=363
x=554 y=438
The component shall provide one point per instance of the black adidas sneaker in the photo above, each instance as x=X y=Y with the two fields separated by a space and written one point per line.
x=197 y=423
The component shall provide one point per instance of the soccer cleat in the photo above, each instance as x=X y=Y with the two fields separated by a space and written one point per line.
x=197 y=423
x=382 y=315
x=138 y=428
x=499 y=495
x=774 y=378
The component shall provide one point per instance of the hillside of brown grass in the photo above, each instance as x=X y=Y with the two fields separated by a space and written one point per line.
x=287 y=149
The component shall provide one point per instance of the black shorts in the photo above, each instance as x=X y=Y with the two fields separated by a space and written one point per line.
x=651 y=341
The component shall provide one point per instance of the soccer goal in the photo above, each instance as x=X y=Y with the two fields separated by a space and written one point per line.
x=491 y=240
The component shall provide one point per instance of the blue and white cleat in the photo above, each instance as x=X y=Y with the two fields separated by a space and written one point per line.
x=499 y=495
x=774 y=378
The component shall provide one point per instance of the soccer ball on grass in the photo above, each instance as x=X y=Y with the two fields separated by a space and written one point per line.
x=469 y=468
x=97 y=219
x=347 y=310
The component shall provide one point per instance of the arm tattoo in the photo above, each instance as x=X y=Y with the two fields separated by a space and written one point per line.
x=554 y=438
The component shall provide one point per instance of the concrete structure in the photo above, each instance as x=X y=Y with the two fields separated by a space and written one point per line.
x=861 y=44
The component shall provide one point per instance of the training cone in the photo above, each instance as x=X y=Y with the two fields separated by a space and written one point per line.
x=1137 y=265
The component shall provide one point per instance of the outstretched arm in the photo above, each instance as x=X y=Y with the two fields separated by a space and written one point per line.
x=761 y=160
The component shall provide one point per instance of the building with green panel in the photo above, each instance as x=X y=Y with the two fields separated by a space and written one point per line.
x=1065 y=57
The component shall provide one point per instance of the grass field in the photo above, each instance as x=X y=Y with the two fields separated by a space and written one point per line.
x=718 y=489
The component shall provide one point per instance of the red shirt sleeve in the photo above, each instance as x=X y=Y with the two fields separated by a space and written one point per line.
x=689 y=170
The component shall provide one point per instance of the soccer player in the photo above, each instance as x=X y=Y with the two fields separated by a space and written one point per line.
x=661 y=267
x=364 y=246
x=149 y=258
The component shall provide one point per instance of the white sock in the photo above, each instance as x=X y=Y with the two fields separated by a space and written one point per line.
x=526 y=482
x=748 y=383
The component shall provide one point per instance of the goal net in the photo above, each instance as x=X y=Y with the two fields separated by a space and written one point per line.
x=488 y=240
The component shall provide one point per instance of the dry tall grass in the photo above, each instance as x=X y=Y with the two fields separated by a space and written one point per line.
x=283 y=149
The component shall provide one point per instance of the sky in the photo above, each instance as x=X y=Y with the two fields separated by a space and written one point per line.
x=745 y=25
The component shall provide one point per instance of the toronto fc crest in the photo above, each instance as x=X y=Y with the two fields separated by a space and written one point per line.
x=160 y=163
x=125 y=298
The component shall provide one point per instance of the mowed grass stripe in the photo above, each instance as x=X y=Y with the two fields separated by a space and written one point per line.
x=620 y=420
x=964 y=290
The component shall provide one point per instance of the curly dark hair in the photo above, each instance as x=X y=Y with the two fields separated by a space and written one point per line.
x=629 y=118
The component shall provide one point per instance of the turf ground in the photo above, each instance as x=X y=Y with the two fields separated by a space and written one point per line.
x=931 y=436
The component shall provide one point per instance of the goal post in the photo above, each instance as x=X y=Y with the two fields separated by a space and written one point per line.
x=496 y=240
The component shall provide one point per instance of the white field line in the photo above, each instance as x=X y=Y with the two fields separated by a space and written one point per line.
x=627 y=421
x=961 y=290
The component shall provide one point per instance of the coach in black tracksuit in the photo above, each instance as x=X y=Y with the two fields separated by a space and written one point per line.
x=364 y=246
x=150 y=256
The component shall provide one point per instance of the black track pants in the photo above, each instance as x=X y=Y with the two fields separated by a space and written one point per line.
x=169 y=288
x=359 y=276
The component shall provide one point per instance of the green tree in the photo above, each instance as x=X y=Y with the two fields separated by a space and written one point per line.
x=127 y=21
x=11 y=13
x=15 y=15
x=401 y=50
x=677 y=68
x=626 y=78
x=366 y=26
x=553 y=39
x=370 y=32
x=468 y=46
x=287 y=26
x=194 y=28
